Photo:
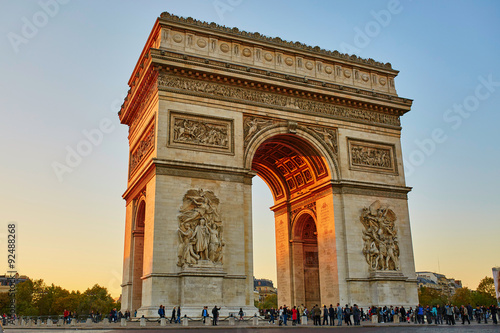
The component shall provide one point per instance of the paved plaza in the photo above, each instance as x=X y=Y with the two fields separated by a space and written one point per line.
x=245 y=327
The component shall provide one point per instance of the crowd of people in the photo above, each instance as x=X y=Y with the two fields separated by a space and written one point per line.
x=353 y=315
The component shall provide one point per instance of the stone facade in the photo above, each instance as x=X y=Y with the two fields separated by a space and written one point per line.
x=211 y=107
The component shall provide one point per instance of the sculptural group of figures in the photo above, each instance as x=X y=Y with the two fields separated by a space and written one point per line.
x=200 y=229
x=197 y=132
x=381 y=248
x=371 y=157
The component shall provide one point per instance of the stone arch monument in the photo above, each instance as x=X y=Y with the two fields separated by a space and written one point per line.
x=209 y=108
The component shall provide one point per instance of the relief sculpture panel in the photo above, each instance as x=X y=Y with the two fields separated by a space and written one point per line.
x=380 y=239
x=201 y=133
x=371 y=156
x=200 y=229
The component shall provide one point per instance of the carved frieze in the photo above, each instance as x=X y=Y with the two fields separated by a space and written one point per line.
x=200 y=231
x=371 y=156
x=142 y=149
x=380 y=239
x=238 y=94
x=201 y=133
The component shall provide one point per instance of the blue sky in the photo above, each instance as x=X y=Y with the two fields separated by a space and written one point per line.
x=70 y=73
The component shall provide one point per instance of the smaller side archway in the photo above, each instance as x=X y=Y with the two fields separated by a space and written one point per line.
x=305 y=263
x=138 y=253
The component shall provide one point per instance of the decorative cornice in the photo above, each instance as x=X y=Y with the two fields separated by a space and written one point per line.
x=165 y=16
x=281 y=101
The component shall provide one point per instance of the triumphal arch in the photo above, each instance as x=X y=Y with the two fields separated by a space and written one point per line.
x=211 y=107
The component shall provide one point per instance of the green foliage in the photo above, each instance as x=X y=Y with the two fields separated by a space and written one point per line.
x=35 y=298
x=487 y=286
x=430 y=296
x=463 y=296
x=270 y=301
x=4 y=303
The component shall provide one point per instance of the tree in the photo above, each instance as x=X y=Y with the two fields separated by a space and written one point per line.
x=271 y=301
x=4 y=303
x=463 y=296
x=431 y=296
x=487 y=286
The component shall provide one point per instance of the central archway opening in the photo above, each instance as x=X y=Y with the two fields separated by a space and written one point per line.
x=293 y=169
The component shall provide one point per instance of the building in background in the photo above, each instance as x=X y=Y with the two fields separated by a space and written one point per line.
x=264 y=288
x=496 y=281
x=439 y=282
x=5 y=280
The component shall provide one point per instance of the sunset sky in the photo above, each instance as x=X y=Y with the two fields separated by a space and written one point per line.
x=64 y=70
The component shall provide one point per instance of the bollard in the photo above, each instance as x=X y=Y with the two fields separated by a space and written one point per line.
x=123 y=322
x=49 y=322
x=88 y=322
x=60 y=322
x=374 y=319
x=208 y=321
x=255 y=320
x=185 y=321
x=143 y=321
x=73 y=321
x=231 y=321
x=163 y=321
x=303 y=320
x=396 y=318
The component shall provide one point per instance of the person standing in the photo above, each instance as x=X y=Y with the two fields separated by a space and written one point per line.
x=325 y=315
x=204 y=314
x=241 y=314
x=356 y=315
x=494 y=310
x=339 y=315
x=294 y=316
x=172 y=319
x=347 y=315
x=331 y=314
x=464 y=314
x=215 y=314
x=178 y=321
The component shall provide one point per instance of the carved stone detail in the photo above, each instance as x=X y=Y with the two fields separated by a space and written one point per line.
x=250 y=95
x=380 y=241
x=145 y=145
x=276 y=40
x=371 y=156
x=200 y=229
x=200 y=132
x=253 y=125
x=328 y=136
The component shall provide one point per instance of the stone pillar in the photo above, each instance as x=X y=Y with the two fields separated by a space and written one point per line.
x=88 y=322
x=255 y=321
x=185 y=321
x=143 y=322
x=208 y=321
x=303 y=320
x=123 y=322
x=374 y=319
x=49 y=322
x=231 y=321
x=73 y=321
x=396 y=318
x=163 y=321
